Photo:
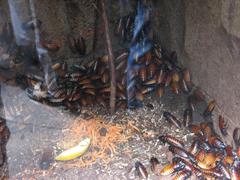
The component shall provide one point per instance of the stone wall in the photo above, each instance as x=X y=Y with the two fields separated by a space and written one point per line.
x=206 y=35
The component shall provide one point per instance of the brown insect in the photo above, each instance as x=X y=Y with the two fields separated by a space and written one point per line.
x=235 y=174
x=187 y=77
x=105 y=77
x=150 y=82
x=120 y=26
x=77 y=45
x=168 y=169
x=187 y=117
x=148 y=58
x=183 y=175
x=210 y=108
x=168 y=80
x=199 y=95
x=171 y=141
x=90 y=91
x=139 y=96
x=160 y=91
x=236 y=136
x=141 y=170
x=160 y=75
x=195 y=146
x=50 y=45
x=151 y=70
x=182 y=153
x=172 y=119
x=175 y=76
x=175 y=87
x=216 y=142
x=222 y=126
x=143 y=74
x=154 y=164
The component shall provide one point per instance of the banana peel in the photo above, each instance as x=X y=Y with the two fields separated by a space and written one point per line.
x=75 y=151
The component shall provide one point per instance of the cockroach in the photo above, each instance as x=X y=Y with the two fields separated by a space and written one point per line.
x=105 y=77
x=216 y=142
x=238 y=152
x=160 y=91
x=185 y=87
x=175 y=87
x=105 y=90
x=157 y=51
x=83 y=101
x=101 y=69
x=209 y=160
x=186 y=76
x=73 y=76
x=56 y=66
x=120 y=26
x=167 y=170
x=171 y=141
x=151 y=70
x=50 y=45
x=148 y=58
x=187 y=117
x=236 y=136
x=183 y=175
x=90 y=91
x=139 y=96
x=172 y=119
x=195 y=146
x=222 y=126
x=160 y=75
x=121 y=95
x=84 y=81
x=175 y=76
x=235 y=174
x=191 y=102
x=146 y=90
x=182 y=153
x=224 y=170
x=150 y=82
x=207 y=131
x=80 y=46
x=143 y=74
x=120 y=87
x=210 y=108
x=74 y=97
x=141 y=170
x=228 y=160
x=198 y=94
x=154 y=164
x=168 y=80
x=172 y=168
x=212 y=173
x=122 y=57
x=194 y=128
x=228 y=150
x=88 y=86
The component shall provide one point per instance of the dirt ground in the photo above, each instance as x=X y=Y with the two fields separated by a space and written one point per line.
x=36 y=130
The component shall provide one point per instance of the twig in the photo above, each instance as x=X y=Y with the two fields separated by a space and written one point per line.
x=111 y=58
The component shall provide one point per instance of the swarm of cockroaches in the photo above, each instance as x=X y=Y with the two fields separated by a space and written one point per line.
x=208 y=157
x=84 y=85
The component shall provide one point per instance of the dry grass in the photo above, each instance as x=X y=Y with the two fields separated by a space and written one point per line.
x=105 y=140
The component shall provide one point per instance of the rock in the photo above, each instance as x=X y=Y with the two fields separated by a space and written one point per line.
x=206 y=36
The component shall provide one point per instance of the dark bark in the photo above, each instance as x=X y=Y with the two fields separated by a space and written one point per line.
x=111 y=58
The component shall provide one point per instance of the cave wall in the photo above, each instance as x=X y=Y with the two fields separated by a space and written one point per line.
x=206 y=35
